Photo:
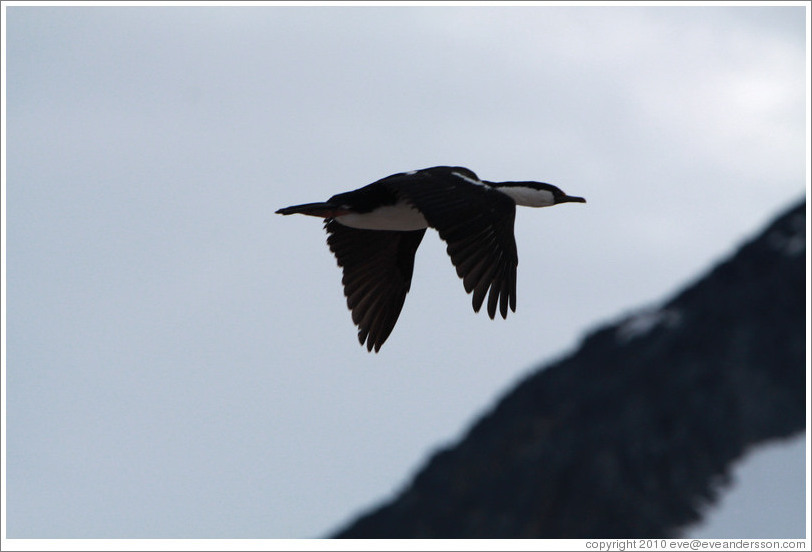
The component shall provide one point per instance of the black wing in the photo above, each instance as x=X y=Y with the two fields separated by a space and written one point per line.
x=378 y=267
x=477 y=224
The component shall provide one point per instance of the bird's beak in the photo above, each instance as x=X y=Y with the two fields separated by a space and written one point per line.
x=571 y=199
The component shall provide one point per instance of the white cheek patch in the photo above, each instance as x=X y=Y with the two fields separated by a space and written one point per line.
x=528 y=197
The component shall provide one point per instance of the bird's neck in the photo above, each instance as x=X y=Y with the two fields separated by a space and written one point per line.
x=525 y=195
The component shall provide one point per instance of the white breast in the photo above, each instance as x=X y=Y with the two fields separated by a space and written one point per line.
x=400 y=216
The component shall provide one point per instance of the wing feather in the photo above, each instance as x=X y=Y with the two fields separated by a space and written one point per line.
x=377 y=274
x=476 y=222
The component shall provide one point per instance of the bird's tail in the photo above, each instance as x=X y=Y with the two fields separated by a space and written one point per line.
x=323 y=210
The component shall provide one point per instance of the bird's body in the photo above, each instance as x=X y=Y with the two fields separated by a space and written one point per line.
x=399 y=216
x=374 y=233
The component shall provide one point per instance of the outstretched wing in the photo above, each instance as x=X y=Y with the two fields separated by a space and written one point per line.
x=378 y=267
x=476 y=222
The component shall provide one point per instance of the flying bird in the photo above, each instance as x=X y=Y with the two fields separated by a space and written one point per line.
x=374 y=233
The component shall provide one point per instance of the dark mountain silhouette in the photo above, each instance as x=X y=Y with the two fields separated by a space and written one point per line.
x=634 y=432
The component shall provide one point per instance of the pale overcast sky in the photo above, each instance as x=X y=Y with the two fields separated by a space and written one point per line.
x=181 y=362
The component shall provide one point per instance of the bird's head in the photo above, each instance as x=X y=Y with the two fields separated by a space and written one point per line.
x=536 y=194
